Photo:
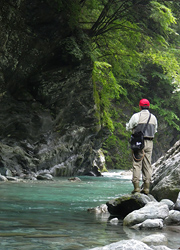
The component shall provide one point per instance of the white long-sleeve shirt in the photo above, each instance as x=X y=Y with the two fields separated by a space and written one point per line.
x=138 y=121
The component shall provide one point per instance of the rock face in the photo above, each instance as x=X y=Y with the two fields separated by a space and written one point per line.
x=48 y=116
x=166 y=175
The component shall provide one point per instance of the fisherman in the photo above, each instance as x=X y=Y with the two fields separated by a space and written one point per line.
x=143 y=162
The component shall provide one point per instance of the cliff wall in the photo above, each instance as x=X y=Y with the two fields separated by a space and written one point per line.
x=48 y=114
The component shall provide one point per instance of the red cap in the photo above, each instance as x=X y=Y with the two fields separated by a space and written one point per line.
x=144 y=103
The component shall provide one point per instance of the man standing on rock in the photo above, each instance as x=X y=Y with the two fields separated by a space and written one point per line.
x=142 y=161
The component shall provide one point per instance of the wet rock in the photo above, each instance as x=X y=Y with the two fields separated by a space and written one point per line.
x=173 y=218
x=10 y=178
x=74 y=179
x=30 y=176
x=126 y=204
x=150 y=224
x=140 y=234
x=155 y=239
x=125 y=245
x=44 y=177
x=114 y=221
x=3 y=178
x=152 y=210
x=99 y=209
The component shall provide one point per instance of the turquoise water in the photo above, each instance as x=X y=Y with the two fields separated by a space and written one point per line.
x=53 y=214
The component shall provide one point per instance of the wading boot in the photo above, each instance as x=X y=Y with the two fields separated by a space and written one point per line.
x=136 y=187
x=145 y=189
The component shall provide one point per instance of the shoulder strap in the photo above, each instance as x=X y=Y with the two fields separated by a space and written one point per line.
x=147 y=123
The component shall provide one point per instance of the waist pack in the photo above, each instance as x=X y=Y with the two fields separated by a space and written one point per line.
x=137 y=139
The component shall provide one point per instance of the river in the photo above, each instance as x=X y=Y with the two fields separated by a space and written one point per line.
x=53 y=215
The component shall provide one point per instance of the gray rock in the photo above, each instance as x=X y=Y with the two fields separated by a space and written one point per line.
x=9 y=173
x=166 y=175
x=44 y=177
x=114 y=221
x=149 y=224
x=125 y=245
x=99 y=209
x=3 y=178
x=10 y=178
x=126 y=204
x=168 y=202
x=29 y=177
x=177 y=204
x=152 y=210
x=161 y=248
x=173 y=218
x=155 y=239
x=140 y=234
x=74 y=179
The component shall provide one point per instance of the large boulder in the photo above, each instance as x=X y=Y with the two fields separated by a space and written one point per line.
x=124 y=205
x=152 y=210
x=166 y=175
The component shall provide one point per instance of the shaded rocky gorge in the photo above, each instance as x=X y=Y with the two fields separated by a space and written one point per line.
x=49 y=118
x=48 y=115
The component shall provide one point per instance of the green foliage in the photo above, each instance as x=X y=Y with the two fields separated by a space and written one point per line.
x=117 y=153
x=135 y=50
x=106 y=89
x=143 y=68
x=168 y=115
x=133 y=60
x=116 y=147
x=168 y=60
x=162 y=16
x=89 y=13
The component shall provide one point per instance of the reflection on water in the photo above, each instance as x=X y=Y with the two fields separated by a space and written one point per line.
x=53 y=215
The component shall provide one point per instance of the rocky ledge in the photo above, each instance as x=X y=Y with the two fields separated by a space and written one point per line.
x=139 y=213
x=166 y=175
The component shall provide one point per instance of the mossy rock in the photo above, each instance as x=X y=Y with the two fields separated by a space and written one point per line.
x=126 y=204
